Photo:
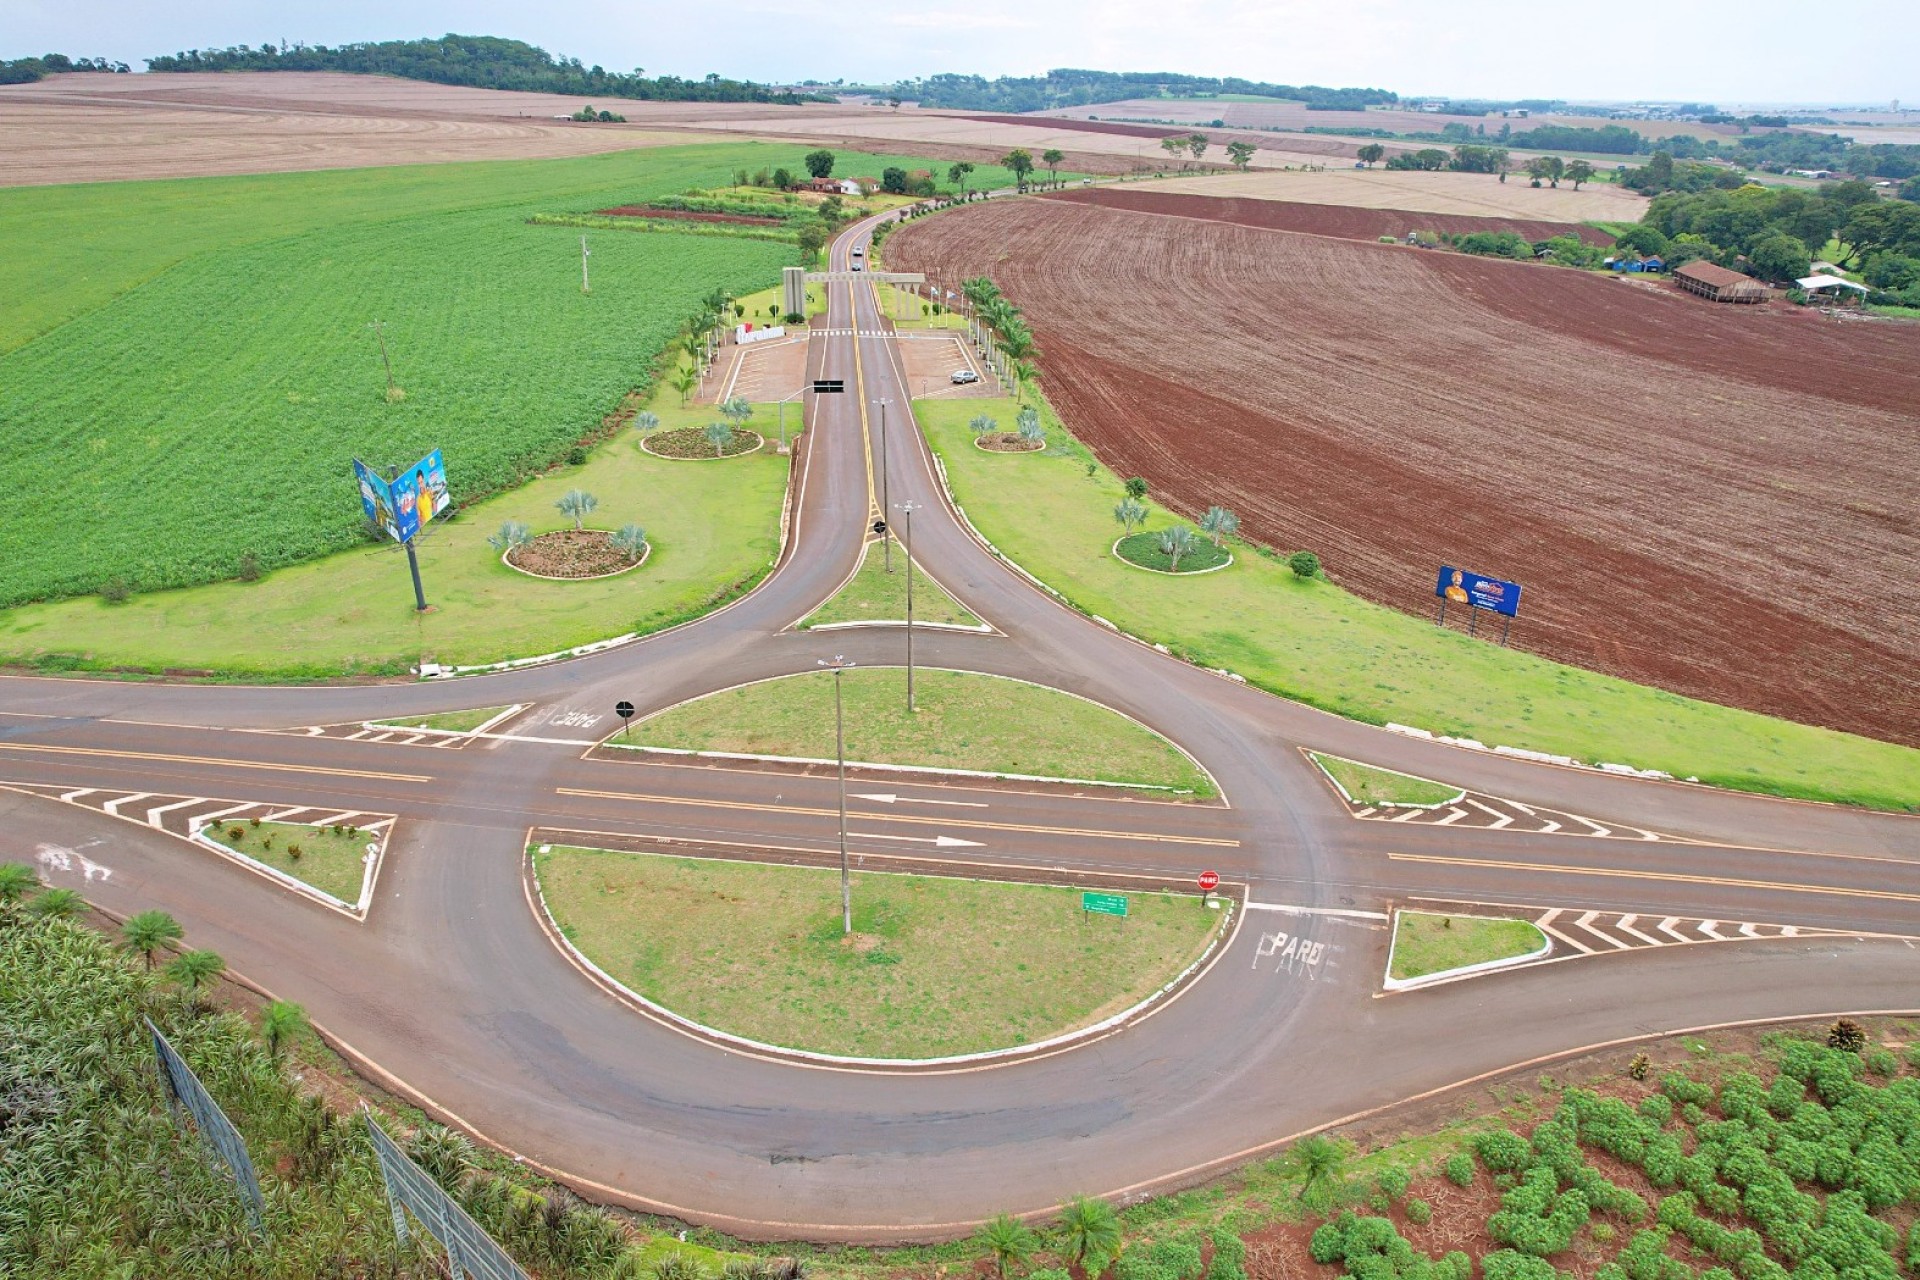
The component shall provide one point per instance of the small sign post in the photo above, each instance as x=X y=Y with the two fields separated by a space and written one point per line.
x=624 y=710
x=1093 y=903
x=1209 y=881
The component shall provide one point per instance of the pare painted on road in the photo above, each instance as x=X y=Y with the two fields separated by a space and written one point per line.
x=1292 y=954
x=570 y=719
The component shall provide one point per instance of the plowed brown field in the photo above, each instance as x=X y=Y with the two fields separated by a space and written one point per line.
x=1718 y=501
x=1323 y=219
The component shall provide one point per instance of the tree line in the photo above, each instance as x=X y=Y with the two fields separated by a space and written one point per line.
x=481 y=62
x=1773 y=232
x=1067 y=87
x=28 y=70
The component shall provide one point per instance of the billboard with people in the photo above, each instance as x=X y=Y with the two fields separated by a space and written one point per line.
x=408 y=503
x=1459 y=586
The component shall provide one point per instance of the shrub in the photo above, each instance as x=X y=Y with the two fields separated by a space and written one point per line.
x=1177 y=1258
x=1459 y=1169
x=1419 y=1212
x=115 y=591
x=1508 y=1264
x=1881 y=1062
x=1305 y=564
x=1685 y=1089
x=1658 y=1108
x=577 y=456
x=1693 y=1113
x=1847 y=1036
x=249 y=567
x=1638 y=1068
x=1503 y=1151
x=236 y=833
x=1229 y=1256
x=294 y=851
x=1328 y=1242
x=1393 y=1183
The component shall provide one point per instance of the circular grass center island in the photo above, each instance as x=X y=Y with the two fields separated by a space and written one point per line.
x=693 y=442
x=1146 y=550
x=574 y=554
x=936 y=966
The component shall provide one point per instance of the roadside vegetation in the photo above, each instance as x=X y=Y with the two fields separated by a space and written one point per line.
x=1425 y=944
x=874 y=595
x=1305 y=639
x=963 y=720
x=934 y=967
x=332 y=859
x=1369 y=784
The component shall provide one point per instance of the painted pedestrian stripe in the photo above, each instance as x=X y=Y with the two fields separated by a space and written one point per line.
x=361 y=731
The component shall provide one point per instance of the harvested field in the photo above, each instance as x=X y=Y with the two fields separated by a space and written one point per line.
x=1470 y=194
x=1278 y=114
x=1710 y=502
x=1320 y=219
x=1090 y=126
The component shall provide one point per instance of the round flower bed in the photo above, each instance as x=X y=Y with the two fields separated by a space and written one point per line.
x=1007 y=442
x=692 y=443
x=572 y=555
x=1142 y=550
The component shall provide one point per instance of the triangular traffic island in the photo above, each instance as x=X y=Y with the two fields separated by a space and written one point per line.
x=1374 y=794
x=872 y=597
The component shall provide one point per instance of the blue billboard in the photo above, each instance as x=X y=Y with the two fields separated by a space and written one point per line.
x=409 y=502
x=1458 y=586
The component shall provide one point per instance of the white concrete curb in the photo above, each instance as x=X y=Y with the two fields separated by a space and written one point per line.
x=1314 y=756
x=667 y=457
x=1392 y=983
x=592 y=577
x=893 y=768
x=369 y=875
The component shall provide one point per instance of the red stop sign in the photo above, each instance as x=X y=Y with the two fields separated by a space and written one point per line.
x=1209 y=881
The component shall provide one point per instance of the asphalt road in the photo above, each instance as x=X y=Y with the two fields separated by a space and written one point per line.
x=451 y=987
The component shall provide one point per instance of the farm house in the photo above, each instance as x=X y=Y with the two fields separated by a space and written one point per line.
x=1719 y=284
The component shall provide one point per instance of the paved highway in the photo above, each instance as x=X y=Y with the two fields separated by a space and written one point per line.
x=450 y=986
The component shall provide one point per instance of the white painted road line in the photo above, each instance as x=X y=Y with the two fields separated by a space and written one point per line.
x=113 y=806
x=939 y=842
x=894 y=799
x=1626 y=926
x=1667 y=927
x=1317 y=911
x=154 y=814
x=1586 y=922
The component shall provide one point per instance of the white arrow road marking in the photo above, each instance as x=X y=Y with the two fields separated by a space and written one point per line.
x=940 y=842
x=896 y=799
x=1626 y=926
x=1666 y=927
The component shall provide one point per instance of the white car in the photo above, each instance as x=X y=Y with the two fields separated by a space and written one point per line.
x=963 y=376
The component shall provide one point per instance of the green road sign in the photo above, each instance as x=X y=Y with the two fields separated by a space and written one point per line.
x=1104 y=904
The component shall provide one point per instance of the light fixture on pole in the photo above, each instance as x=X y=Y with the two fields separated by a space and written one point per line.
x=907 y=509
x=838 y=664
x=886 y=536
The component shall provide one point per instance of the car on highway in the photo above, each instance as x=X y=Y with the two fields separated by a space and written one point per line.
x=859 y=251
x=859 y=266
x=963 y=376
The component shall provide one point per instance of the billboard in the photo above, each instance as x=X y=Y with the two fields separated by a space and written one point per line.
x=471 y=1252
x=409 y=502
x=1458 y=586
x=185 y=1094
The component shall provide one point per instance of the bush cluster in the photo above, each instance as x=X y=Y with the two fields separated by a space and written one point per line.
x=1373 y=1249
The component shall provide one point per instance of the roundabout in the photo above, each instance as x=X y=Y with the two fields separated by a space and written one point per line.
x=450 y=995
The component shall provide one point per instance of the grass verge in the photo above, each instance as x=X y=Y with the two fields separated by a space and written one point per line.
x=330 y=860
x=964 y=721
x=1366 y=784
x=1310 y=641
x=453 y=721
x=934 y=967
x=1425 y=944
x=712 y=529
x=874 y=595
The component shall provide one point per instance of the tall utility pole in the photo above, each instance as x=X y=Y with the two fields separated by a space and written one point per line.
x=381 y=334
x=907 y=509
x=885 y=471
x=585 y=287
x=838 y=664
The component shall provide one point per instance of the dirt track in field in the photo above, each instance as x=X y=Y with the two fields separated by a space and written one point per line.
x=1714 y=500
x=1322 y=219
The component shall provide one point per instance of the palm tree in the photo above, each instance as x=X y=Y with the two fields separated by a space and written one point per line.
x=646 y=420
x=1220 y=522
x=1174 y=543
x=513 y=533
x=577 y=504
x=57 y=904
x=1008 y=1240
x=631 y=539
x=15 y=879
x=148 y=931
x=1318 y=1159
x=719 y=435
x=1092 y=1233
x=1130 y=512
x=686 y=381
x=280 y=1021
x=195 y=968
x=984 y=424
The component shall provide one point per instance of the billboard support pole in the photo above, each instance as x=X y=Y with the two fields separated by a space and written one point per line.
x=1473 y=613
x=413 y=567
x=1506 y=629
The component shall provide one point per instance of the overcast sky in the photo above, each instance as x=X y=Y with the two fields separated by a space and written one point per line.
x=1751 y=51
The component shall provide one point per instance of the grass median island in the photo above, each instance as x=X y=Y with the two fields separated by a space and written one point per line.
x=1144 y=549
x=454 y=721
x=713 y=531
x=1308 y=640
x=1368 y=784
x=328 y=858
x=964 y=721
x=1425 y=944
x=874 y=595
x=934 y=967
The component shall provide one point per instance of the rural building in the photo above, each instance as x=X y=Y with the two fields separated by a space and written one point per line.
x=1831 y=288
x=1719 y=284
x=838 y=186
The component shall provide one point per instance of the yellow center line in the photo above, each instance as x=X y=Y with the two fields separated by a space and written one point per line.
x=1723 y=882
x=970 y=824
x=860 y=389
x=224 y=764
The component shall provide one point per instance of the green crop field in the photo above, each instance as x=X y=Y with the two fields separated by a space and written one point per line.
x=191 y=368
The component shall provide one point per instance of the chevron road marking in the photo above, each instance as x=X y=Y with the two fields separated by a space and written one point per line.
x=1586 y=922
x=1626 y=926
x=163 y=758
x=1545 y=925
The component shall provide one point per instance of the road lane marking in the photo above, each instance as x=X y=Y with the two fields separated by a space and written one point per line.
x=1348 y=912
x=223 y=764
x=892 y=799
x=866 y=437
x=797 y=810
x=939 y=842
x=1724 y=882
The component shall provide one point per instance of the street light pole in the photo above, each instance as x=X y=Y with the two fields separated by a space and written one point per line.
x=838 y=664
x=886 y=537
x=907 y=509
